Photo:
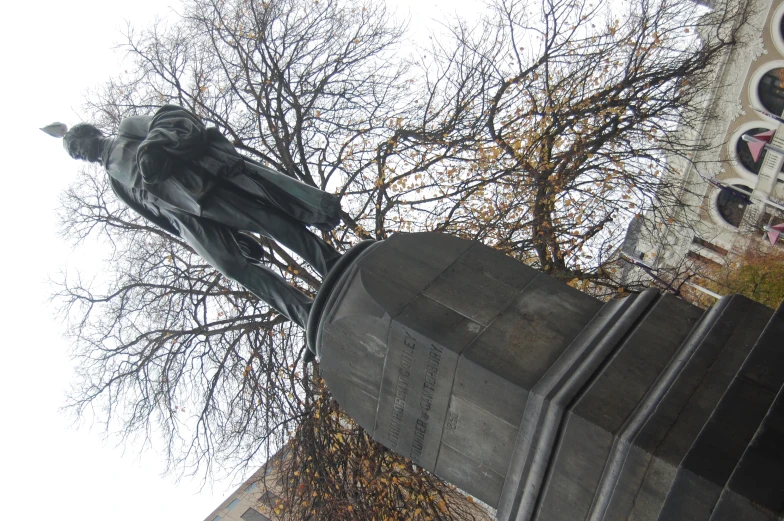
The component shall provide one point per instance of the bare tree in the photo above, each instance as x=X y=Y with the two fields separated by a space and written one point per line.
x=541 y=131
x=590 y=115
x=336 y=471
x=171 y=346
x=168 y=347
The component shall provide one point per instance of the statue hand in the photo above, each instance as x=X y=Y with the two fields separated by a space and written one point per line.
x=155 y=166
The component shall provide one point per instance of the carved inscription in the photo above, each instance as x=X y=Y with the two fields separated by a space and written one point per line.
x=425 y=402
x=401 y=390
x=414 y=398
x=451 y=421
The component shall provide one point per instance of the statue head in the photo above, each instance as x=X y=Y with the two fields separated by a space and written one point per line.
x=84 y=141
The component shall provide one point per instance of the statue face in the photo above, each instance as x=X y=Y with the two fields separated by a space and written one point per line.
x=86 y=148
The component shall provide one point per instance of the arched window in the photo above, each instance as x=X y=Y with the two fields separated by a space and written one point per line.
x=744 y=154
x=771 y=90
x=781 y=27
x=777 y=28
x=732 y=205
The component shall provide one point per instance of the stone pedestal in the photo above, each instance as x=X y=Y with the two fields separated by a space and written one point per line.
x=547 y=403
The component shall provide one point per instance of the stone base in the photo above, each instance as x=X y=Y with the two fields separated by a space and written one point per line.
x=547 y=403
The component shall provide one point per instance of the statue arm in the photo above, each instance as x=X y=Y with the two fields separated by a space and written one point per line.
x=131 y=197
x=249 y=246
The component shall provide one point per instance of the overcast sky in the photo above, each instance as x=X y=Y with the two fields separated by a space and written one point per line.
x=51 y=53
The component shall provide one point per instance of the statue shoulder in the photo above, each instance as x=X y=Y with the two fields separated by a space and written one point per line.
x=135 y=126
x=175 y=112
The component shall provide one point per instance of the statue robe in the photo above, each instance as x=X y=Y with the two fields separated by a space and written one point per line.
x=209 y=192
x=201 y=158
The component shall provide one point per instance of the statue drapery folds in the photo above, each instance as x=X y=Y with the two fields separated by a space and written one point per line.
x=178 y=158
x=190 y=180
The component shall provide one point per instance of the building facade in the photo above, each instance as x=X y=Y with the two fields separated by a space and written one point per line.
x=257 y=499
x=731 y=196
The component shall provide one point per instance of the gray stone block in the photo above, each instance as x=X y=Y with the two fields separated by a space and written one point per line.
x=551 y=405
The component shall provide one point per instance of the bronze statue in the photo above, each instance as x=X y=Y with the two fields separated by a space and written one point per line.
x=191 y=181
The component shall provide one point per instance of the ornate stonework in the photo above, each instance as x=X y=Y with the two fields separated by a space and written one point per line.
x=735 y=110
x=755 y=48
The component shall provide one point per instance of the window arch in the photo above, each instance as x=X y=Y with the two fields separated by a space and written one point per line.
x=777 y=28
x=731 y=205
x=740 y=155
x=771 y=90
x=781 y=27
x=744 y=153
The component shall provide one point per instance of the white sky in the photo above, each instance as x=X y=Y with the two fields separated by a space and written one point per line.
x=51 y=52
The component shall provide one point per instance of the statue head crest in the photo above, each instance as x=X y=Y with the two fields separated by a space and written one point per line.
x=56 y=129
